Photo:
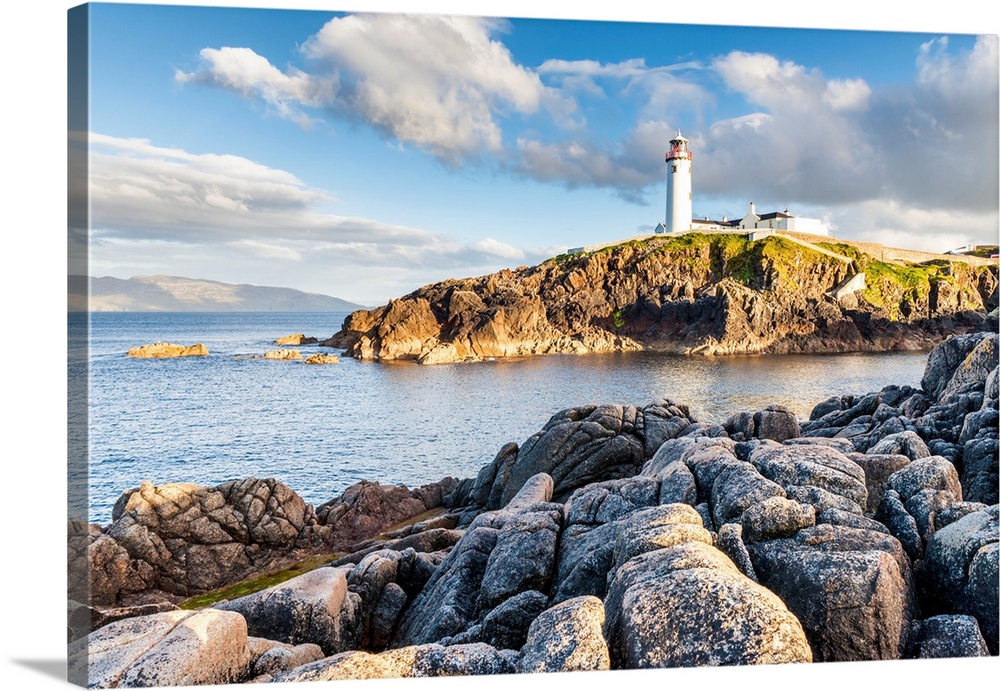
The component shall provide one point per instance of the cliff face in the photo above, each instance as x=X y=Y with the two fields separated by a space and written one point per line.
x=713 y=295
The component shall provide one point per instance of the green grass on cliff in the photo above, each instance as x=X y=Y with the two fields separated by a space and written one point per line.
x=887 y=285
x=723 y=255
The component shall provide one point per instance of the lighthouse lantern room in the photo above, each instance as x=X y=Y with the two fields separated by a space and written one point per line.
x=678 y=185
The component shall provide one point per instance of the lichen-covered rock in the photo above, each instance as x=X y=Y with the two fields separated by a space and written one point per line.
x=851 y=589
x=185 y=539
x=315 y=607
x=976 y=366
x=689 y=605
x=944 y=361
x=537 y=489
x=777 y=423
x=273 y=657
x=737 y=487
x=567 y=638
x=893 y=515
x=878 y=468
x=502 y=553
x=821 y=500
x=604 y=502
x=576 y=447
x=586 y=556
x=925 y=505
x=523 y=557
x=366 y=508
x=657 y=527
x=850 y=519
x=776 y=517
x=431 y=660
x=907 y=444
x=955 y=635
x=933 y=472
x=958 y=510
x=817 y=466
x=677 y=485
x=980 y=463
x=506 y=626
x=731 y=544
x=448 y=604
x=177 y=648
x=110 y=570
x=662 y=421
x=961 y=572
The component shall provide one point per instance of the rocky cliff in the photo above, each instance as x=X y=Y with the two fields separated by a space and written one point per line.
x=695 y=294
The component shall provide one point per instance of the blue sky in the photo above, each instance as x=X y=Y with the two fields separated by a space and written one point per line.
x=363 y=155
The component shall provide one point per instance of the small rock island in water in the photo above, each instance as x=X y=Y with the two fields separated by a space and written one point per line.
x=167 y=350
x=616 y=537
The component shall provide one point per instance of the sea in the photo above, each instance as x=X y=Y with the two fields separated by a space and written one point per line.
x=321 y=428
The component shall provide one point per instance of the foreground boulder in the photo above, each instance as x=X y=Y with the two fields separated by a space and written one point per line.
x=851 y=588
x=161 y=349
x=176 y=648
x=315 y=607
x=431 y=660
x=659 y=613
x=961 y=573
x=502 y=555
x=567 y=638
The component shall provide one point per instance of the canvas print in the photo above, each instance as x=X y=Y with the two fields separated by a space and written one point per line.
x=413 y=345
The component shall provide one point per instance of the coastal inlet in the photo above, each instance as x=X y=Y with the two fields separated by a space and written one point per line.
x=320 y=429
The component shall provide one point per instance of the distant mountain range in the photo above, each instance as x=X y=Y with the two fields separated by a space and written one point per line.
x=177 y=294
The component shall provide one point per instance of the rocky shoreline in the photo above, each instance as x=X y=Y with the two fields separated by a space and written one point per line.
x=616 y=537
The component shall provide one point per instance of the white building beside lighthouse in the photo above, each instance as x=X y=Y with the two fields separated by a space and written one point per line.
x=679 y=218
x=678 y=186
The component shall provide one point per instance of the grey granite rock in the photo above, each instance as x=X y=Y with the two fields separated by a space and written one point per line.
x=955 y=635
x=776 y=517
x=933 y=472
x=567 y=638
x=315 y=607
x=818 y=466
x=660 y=618
x=851 y=589
x=175 y=648
x=961 y=575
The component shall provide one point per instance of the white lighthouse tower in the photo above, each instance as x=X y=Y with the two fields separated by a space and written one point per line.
x=678 y=185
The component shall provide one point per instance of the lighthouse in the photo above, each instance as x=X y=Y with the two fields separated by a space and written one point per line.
x=678 y=185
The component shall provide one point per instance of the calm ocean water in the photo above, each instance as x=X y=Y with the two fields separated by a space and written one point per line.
x=320 y=429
